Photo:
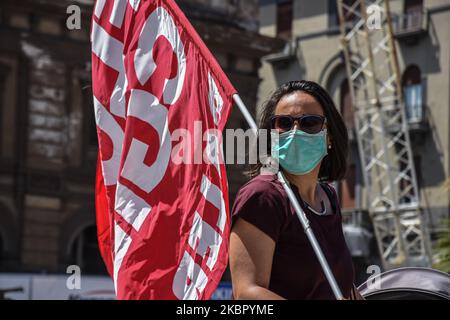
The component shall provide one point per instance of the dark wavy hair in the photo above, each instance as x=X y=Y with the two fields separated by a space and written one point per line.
x=334 y=165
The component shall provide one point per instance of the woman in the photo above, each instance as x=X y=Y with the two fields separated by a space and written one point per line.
x=270 y=255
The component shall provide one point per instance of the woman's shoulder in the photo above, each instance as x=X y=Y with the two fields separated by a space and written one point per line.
x=262 y=191
x=261 y=203
x=266 y=184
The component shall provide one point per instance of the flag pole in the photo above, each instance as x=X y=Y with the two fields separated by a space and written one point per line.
x=300 y=214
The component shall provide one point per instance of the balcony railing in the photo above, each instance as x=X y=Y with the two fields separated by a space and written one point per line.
x=410 y=24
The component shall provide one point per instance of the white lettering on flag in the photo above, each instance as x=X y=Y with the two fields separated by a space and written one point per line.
x=146 y=107
x=106 y=123
x=160 y=23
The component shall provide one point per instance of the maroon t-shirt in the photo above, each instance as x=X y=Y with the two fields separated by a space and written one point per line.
x=296 y=272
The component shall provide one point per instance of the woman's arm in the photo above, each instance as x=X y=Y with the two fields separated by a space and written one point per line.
x=251 y=255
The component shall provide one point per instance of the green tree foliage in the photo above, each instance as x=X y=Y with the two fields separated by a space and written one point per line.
x=442 y=251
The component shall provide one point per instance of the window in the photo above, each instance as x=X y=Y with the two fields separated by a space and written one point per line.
x=413 y=14
x=333 y=18
x=412 y=23
x=284 y=19
x=85 y=252
x=413 y=102
x=413 y=93
x=86 y=92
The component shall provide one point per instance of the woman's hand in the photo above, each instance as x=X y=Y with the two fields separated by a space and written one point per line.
x=355 y=295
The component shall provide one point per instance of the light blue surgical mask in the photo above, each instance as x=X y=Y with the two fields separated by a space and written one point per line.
x=299 y=152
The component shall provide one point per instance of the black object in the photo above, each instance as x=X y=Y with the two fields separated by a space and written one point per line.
x=409 y=284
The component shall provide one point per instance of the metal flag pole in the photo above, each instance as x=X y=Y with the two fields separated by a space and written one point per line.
x=300 y=214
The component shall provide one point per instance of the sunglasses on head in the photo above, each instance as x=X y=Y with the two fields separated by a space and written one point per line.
x=309 y=123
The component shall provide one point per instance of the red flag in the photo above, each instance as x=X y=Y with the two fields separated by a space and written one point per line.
x=161 y=102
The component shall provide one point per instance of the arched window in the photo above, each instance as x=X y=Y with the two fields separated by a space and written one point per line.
x=85 y=252
x=413 y=91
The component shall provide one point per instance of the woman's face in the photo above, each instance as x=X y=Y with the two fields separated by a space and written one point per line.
x=297 y=104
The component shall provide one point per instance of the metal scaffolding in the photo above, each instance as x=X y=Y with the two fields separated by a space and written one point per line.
x=392 y=195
